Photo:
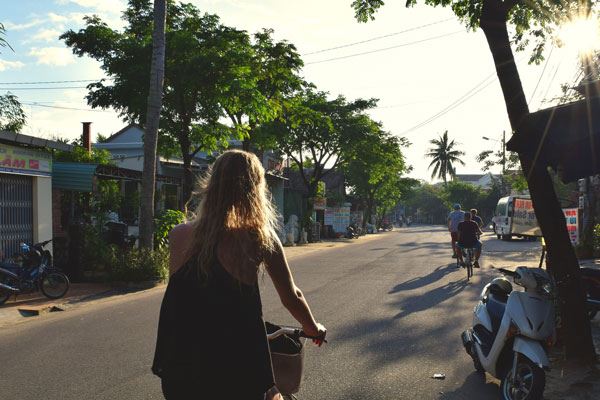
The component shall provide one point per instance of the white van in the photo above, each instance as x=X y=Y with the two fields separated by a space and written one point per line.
x=515 y=216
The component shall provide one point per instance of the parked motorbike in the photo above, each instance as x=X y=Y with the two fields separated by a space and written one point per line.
x=387 y=226
x=351 y=233
x=590 y=282
x=35 y=273
x=512 y=331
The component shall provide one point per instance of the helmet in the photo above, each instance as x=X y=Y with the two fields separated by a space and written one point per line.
x=24 y=248
x=456 y=206
x=500 y=286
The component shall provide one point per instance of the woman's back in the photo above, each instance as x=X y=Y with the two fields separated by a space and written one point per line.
x=213 y=329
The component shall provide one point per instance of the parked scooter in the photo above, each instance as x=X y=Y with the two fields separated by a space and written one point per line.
x=511 y=332
x=35 y=273
x=351 y=233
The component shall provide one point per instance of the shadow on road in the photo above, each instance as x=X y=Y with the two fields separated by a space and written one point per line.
x=475 y=383
x=430 y=299
x=421 y=281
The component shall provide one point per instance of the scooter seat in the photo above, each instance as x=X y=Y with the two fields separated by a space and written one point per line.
x=591 y=272
x=495 y=307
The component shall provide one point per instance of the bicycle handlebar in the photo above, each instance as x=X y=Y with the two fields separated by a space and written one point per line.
x=294 y=332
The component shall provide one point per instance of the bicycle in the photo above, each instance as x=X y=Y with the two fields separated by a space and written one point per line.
x=467 y=254
x=287 y=356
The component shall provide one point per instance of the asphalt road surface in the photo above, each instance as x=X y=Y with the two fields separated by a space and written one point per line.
x=394 y=305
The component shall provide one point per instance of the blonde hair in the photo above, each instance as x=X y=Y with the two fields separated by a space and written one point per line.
x=233 y=197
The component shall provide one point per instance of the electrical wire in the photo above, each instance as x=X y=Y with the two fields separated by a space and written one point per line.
x=472 y=92
x=377 y=37
x=51 y=82
x=541 y=75
x=44 y=88
x=385 y=48
x=65 y=108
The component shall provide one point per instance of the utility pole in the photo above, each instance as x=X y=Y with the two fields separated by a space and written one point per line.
x=503 y=152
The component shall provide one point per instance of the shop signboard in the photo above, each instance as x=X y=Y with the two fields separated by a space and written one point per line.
x=24 y=161
x=319 y=203
x=572 y=221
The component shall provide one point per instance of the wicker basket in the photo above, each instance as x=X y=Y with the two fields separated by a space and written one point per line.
x=287 y=357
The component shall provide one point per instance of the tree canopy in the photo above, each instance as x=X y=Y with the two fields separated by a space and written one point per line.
x=211 y=71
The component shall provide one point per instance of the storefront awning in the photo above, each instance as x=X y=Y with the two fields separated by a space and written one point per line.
x=79 y=177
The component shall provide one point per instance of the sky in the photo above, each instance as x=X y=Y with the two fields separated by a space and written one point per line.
x=429 y=73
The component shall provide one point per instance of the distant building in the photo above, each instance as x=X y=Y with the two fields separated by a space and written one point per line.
x=483 y=181
x=127 y=150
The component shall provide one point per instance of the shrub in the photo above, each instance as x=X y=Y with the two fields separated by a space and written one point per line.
x=163 y=225
x=138 y=265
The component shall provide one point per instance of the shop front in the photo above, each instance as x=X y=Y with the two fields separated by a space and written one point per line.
x=25 y=196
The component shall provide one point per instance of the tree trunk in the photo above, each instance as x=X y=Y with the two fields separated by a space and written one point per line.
x=188 y=177
x=246 y=145
x=157 y=73
x=574 y=327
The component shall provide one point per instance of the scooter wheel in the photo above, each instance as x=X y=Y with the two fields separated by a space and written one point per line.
x=529 y=384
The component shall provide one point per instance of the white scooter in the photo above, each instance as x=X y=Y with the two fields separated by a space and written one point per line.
x=511 y=332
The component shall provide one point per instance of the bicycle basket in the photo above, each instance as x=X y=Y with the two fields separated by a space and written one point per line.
x=287 y=357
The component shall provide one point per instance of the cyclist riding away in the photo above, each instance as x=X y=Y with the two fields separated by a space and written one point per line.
x=454 y=218
x=476 y=218
x=468 y=232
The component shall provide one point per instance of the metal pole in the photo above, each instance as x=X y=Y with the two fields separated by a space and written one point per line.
x=503 y=152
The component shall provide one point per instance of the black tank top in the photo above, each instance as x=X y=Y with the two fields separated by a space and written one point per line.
x=213 y=332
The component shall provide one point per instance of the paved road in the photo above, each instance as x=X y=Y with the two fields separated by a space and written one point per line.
x=394 y=304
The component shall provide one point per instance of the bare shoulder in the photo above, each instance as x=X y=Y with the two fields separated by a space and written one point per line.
x=180 y=231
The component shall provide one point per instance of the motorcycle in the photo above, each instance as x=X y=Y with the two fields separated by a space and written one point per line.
x=387 y=226
x=35 y=273
x=351 y=232
x=590 y=282
x=512 y=331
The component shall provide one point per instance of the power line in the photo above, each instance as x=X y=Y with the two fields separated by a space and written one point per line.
x=51 y=82
x=65 y=108
x=385 y=48
x=472 y=92
x=542 y=74
x=376 y=38
x=45 y=88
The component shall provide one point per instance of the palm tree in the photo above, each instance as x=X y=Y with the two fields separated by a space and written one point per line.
x=157 y=72
x=444 y=157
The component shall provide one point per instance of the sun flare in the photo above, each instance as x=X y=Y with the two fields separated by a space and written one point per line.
x=582 y=34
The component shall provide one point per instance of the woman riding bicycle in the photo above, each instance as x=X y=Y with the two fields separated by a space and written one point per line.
x=211 y=328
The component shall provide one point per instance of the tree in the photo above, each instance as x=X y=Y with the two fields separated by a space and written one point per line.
x=157 y=73
x=12 y=116
x=531 y=20
x=3 y=42
x=204 y=61
x=444 y=156
x=273 y=77
x=313 y=130
x=373 y=171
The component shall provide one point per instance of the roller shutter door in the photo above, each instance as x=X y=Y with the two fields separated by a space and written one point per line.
x=16 y=212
